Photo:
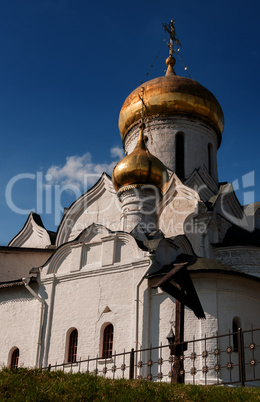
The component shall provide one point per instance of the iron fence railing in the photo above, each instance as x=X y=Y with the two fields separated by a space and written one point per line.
x=232 y=358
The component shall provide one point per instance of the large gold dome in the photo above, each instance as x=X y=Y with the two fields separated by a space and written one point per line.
x=171 y=95
x=139 y=168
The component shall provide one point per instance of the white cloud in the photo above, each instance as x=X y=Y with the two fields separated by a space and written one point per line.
x=81 y=171
x=117 y=152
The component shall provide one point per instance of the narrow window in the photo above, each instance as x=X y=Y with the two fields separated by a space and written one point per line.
x=210 y=158
x=108 y=341
x=72 y=347
x=236 y=324
x=179 y=155
x=14 y=359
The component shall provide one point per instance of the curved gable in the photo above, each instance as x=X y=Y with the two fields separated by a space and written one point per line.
x=202 y=182
x=226 y=204
x=32 y=235
x=95 y=248
x=99 y=204
x=178 y=202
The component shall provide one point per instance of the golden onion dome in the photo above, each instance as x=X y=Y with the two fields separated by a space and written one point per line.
x=171 y=95
x=139 y=168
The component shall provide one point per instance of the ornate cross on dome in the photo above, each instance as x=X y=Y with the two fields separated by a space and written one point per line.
x=170 y=61
x=173 y=37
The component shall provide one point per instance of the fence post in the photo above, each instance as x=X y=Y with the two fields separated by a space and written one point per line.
x=49 y=367
x=132 y=364
x=241 y=357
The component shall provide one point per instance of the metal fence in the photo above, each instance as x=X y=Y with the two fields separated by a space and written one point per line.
x=232 y=358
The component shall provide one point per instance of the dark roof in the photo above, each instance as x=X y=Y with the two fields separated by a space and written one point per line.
x=53 y=236
x=37 y=219
x=17 y=282
x=237 y=236
x=7 y=249
x=199 y=264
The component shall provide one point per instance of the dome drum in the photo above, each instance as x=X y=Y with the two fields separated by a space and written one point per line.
x=161 y=133
x=139 y=207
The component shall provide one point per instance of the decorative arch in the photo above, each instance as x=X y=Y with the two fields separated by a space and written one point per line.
x=71 y=345
x=93 y=236
x=13 y=359
x=99 y=233
x=58 y=257
x=96 y=231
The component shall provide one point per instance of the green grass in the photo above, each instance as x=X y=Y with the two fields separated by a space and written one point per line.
x=37 y=385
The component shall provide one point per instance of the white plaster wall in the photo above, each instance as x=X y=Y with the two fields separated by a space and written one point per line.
x=80 y=302
x=16 y=264
x=94 y=284
x=93 y=295
x=163 y=313
x=162 y=310
x=161 y=134
x=223 y=297
x=20 y=319
x=238 y=297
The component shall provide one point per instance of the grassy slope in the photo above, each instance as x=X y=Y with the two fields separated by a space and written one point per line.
x=35 y=385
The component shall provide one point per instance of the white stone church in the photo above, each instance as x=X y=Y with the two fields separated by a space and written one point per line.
x=89 y=289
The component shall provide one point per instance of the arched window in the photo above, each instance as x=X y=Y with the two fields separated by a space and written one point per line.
x=108 y=341
x=210 y=158
x=236 y=324
x=72 y=346
x=14 y=359
x=179 y=155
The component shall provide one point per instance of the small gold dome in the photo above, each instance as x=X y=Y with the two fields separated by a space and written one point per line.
x=140 y=167
x=172 y=95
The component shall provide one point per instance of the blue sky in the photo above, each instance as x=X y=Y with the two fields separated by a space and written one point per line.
x=66 y=68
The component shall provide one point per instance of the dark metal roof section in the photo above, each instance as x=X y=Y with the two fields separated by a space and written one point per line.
x=200 y=264
x=17 y=282
x=53 y=236
x=175 y=278
x=237 y=236
x=178 y=284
